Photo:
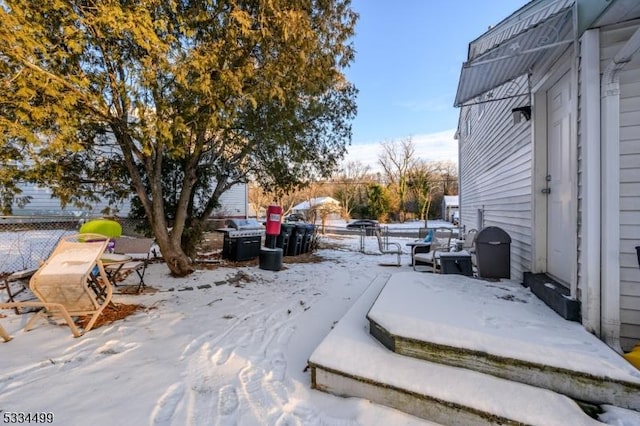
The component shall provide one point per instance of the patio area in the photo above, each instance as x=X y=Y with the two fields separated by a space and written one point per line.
x=448 y=346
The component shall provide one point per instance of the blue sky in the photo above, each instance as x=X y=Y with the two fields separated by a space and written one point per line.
x=408 y=59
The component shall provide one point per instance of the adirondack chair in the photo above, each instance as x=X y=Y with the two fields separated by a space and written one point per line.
x=65 y=285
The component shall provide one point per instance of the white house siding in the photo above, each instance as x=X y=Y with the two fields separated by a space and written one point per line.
x=496 y=174
x=233 y=204
x=42 y=204
x=611 y=40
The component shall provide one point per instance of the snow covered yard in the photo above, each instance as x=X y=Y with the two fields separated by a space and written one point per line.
x=227 y=345
x=223 y=346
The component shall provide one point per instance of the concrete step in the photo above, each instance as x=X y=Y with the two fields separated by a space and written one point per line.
x=350 y=362
x=502 y=330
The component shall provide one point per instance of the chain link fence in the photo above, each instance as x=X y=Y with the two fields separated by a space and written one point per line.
x=27 y=241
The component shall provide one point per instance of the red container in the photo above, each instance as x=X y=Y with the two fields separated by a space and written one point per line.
x=274 y=216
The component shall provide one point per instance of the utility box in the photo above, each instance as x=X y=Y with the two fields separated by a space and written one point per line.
x=493 y=253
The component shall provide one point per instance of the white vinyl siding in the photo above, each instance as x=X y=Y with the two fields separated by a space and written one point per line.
x=496 y=174
x=612 y=39
x=43 y=204
x=233 y=203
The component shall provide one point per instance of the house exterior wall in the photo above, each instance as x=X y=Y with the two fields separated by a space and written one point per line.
x=43 y=204
x=496 y=173
x=233 y=204
x=611 y=40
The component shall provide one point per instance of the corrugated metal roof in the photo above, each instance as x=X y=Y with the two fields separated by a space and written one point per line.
x=523 y=19
x=537 y=31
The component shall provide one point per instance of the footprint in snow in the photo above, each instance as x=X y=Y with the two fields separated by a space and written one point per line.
x=227 y=406
x=165 y=408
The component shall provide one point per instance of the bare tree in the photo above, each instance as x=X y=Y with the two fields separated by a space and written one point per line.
x=449 y=175
x=397 y=158
x=351 y=185
x=259 y=199
x=424 y=182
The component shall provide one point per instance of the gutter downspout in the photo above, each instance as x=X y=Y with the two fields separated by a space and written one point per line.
x=610 y=207
x=590 y=215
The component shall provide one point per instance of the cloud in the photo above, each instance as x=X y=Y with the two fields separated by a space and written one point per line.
x=439 y=146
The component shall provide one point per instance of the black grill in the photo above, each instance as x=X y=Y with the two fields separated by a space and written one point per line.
x=242 y=239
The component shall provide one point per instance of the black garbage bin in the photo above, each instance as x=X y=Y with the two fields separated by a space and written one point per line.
x=295 y=240
x=308 y=237
x=493 y=253
x=282 y=240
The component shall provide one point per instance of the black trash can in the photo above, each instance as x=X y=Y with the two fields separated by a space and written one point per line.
x=295 y=240
x=493 y=253
x=282 y=241
x=308 y=237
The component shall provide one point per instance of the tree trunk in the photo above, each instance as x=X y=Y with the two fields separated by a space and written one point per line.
x=178 y=262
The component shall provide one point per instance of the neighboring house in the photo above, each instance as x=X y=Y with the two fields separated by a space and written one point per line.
x=450 y=204
x=305 y=206
x=549 y=146
x=233 y=204
x=328 y=205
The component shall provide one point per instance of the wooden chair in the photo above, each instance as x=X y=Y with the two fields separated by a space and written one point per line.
x=139 y=249
x=5 y=336
x=441 y=242
x=62 y=283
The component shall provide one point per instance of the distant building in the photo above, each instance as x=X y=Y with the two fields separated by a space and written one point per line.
x=450 y=204
x=308 y=208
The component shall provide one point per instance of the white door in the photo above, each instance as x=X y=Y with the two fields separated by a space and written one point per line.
x=560 y=181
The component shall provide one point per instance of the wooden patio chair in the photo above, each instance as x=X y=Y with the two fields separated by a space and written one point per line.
x=65 y=284
x=5 y=336
x=441 y=242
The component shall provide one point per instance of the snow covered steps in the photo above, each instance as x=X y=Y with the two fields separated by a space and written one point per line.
x=349 y=362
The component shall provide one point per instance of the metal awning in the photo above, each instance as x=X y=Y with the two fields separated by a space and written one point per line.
x=538 y=31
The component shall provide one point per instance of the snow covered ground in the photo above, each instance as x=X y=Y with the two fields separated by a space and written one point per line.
x=226 y=345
